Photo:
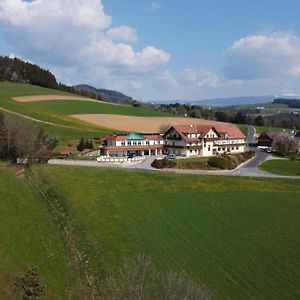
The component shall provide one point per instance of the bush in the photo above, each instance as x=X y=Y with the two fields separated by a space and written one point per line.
x=230 y=162
x=163 y=163
x=139 y=279
x=81 y=145
x=29 y=285
x=218 y=162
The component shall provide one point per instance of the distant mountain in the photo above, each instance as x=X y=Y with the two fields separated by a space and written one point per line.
x=106 y=95
x=225 y=101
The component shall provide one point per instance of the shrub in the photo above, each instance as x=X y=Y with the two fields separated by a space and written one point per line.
x=163 y=163
x=218 y=162
x=139 y=279
x=81 y=145
x=29 y=285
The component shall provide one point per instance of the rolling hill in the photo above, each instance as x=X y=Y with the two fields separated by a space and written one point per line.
x=54 y=116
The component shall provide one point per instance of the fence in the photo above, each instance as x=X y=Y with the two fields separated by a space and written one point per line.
x=108 y=159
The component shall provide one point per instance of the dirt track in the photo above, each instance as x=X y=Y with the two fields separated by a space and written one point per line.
x=49 y=97
x=139 y=124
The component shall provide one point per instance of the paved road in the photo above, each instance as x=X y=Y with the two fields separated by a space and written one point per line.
x=249 y=169
x=250 y=134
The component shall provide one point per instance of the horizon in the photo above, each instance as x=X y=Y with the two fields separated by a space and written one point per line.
x=158 y=50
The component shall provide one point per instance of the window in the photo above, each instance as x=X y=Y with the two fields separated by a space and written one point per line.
x=147 y=143
x=139 y=143
x=123 y=143
x=204 y=145
x=237 y=148
x=191 y=151
x=129 y=143
x=219 y=149
x=208 y=148
x=232 y=148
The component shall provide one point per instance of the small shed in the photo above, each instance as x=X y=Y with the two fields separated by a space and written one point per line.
x=65 y=153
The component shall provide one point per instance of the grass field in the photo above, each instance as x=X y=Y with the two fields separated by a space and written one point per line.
x=57 y=111
x=239 y=236
x=281 y=167
x=28 y=236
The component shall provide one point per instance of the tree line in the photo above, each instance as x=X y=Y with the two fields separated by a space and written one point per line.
x=20 y=141
x=196 y=111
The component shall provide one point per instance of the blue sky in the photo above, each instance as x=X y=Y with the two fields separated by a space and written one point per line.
x=158 y=50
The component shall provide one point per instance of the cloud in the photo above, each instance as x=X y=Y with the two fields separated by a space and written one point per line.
x=123 y=34
x=75 y=33
x=154 y=6
x=275 y=55
x=136 y=85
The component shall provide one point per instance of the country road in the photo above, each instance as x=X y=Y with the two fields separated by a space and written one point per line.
x=248 y=169
x=250 y=134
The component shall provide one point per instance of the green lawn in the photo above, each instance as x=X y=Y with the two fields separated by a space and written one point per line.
x=73 y=107
x=239 y=236
x=29 y=236
x=281 y=167
x=261 y=129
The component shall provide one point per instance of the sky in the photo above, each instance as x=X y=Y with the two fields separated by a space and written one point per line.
x=160 y=50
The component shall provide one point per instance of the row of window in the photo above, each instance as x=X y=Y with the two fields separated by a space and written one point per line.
x=140 y=143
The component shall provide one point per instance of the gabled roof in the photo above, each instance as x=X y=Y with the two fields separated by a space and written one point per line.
x=271 y=134
x=231 y=130
x=183 y=130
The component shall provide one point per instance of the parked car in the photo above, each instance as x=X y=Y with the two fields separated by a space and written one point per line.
x=131 y=155
x=269 y=150
x=170 y=156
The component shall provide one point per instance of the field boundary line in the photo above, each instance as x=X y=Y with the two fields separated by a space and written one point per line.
x=43 y=122
x=80 y=256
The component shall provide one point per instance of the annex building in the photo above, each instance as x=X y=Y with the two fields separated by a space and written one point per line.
x=141 y=144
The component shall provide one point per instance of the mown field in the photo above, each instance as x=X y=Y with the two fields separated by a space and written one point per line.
x=29 y=235
x=238 y=236
x=281 y=167
x=57 y=111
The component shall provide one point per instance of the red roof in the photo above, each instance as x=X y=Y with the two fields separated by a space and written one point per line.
x=231 y=129
x=189 y=129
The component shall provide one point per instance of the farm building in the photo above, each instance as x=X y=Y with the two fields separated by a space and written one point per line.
x=182 y=140
x=266 y=138
x=123 y=144
x=204 y=140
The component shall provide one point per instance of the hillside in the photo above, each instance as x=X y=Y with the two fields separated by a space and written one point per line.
x=54 y=116
x=108 y=95
x=232 y=234
x=18 y=71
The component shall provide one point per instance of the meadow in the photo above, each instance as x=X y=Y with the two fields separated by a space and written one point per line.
x=238 y=236
x=282 y=167
x=30 y=236
x=57 y=112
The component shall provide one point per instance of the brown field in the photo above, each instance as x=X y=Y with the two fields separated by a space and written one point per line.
x=49 y=97
x=139 y=124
